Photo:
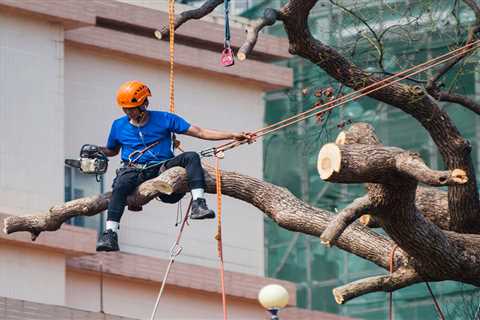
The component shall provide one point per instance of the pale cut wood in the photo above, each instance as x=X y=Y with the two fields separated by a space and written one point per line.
x=329 y=160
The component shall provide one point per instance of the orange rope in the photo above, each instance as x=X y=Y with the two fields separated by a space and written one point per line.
x=171 y=20
x=174 y=252
x=354 y=95
x=218 y=236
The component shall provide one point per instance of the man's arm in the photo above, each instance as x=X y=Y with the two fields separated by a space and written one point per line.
x=209 y=134
x=109 y=152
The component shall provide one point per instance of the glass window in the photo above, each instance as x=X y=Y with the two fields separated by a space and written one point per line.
x=78 y=185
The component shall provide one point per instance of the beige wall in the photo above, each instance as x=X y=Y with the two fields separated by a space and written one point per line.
x=48 y=114
x=32 y=274
x=135 y=299
x=31 y=113
x=91 y=80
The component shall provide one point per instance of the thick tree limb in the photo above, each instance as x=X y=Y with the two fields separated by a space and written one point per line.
x=401 y=278
x=464 y=204
x=276 y=202
x=268 y=19
x=89 y=206
x=343 y=219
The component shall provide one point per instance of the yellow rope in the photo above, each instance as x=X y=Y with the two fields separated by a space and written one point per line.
x=171 y=20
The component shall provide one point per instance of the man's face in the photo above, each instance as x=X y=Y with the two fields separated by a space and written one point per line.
x=135 y=114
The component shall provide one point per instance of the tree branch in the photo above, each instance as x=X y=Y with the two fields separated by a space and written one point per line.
x=195 y=14
x=343 y=219
x=410 y=164
x=460 y=99
x=399 y=279
x=269 y=18
x=470 y=38
x=359 y=163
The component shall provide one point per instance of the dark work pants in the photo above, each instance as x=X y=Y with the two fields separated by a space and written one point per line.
x=128 y=179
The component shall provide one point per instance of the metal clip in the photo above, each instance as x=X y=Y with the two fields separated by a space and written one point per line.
x=175 y=250
x=208 y=152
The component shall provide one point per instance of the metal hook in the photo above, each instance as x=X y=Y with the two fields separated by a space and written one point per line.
x=208 y=152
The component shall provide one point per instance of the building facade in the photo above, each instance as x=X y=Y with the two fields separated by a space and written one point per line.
x=61 y=62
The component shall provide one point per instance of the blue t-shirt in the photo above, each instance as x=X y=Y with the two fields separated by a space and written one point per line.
x=159 y=127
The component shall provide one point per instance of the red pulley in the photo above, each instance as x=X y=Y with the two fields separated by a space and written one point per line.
x=227 y=57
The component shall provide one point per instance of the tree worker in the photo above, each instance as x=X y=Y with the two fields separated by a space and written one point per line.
x=145 y=139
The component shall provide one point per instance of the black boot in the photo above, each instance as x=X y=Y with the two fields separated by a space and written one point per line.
x=108 y=241
x=200 y=210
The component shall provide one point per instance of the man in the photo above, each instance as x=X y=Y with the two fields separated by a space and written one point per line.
x=145 y=139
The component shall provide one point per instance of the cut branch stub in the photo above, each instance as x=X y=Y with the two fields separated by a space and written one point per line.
x=360 y=163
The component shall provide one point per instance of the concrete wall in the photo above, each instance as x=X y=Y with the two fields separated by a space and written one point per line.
x=91 y=80
x=135 y=299
x=31 y=113
x=32 y=274
x=13 y=309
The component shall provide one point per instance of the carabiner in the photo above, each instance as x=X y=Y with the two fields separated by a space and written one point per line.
x=208 y=152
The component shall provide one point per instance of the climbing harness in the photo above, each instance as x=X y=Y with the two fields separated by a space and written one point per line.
x=390 y=294
x=339 y=101
x=218 y=236
x=227 y=58
x=137 y=154
x=174 y=252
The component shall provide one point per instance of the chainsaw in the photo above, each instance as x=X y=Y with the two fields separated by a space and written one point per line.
x=92 y=160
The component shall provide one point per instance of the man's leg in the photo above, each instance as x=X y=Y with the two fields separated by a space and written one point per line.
x=196 y=182
x=125 y=183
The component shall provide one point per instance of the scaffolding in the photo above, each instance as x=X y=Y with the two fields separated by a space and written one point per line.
x=413 y=32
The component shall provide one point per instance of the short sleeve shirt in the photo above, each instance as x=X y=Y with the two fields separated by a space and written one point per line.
x=159 y=127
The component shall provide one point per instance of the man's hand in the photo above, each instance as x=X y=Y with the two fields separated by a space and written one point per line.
x=241 y=136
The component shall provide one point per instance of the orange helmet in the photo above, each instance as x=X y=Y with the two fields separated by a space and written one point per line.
x=132 y=94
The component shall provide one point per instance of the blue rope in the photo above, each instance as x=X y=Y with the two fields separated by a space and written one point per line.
x=227 y=24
